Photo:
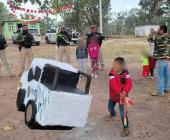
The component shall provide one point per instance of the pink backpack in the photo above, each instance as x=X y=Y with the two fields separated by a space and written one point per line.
x=93 y=50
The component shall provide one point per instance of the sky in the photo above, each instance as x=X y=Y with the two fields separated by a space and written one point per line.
x=122 y=5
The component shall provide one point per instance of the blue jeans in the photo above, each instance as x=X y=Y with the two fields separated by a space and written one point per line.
x=163 y=76
x=111 y=108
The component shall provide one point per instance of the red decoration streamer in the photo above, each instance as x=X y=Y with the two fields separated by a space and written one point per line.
x=52 y=12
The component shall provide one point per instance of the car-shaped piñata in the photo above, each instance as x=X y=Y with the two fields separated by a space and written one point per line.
x=49 y=95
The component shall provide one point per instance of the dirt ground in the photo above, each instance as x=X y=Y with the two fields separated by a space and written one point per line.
x=149 y=118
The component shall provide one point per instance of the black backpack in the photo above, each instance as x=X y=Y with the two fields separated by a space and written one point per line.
x=28 y=40
x=2 y=42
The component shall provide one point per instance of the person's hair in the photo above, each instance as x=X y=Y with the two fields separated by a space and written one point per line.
x=120 y=60
x=63 y=27
x=164 y=28
x=93 y=26
x=93 y=38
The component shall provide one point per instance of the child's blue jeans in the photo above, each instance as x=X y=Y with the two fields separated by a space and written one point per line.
x=111 y=107
x=163 y=76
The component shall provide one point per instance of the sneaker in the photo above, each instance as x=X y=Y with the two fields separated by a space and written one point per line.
x=166 y=91
x=125 y=132
x=110 y=118
x=20 y=74
x=151 y=77
x=12 y=75
x=95 y=76
x=157 y=94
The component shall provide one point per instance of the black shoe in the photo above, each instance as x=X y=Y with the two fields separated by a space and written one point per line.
x=166 y=91
x=125 y=132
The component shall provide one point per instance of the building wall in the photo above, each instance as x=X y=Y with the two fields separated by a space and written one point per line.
x=145 y=30
x=8 y=30
x=36 y=26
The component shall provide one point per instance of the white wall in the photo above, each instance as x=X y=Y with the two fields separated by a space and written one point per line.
x=145 y=30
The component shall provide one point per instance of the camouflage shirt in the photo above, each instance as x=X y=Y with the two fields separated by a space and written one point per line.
x=162 y=47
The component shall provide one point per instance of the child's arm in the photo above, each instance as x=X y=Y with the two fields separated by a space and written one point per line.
x=113 y=84
x=128 y=85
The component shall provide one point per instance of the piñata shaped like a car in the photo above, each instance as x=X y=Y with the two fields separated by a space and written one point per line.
x=49 y=96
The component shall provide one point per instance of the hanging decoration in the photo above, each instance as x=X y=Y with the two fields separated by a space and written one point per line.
x=26 y=19
x=47 y=11
x=34 y=15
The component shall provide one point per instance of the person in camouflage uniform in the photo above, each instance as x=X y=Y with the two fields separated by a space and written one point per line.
x=162 y=55
x=25 y=40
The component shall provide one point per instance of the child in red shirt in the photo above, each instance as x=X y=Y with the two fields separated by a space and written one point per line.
x=120 y=84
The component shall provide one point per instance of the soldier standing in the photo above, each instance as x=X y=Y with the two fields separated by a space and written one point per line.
x=25 y=39
x=63 y=44
x=3 y=45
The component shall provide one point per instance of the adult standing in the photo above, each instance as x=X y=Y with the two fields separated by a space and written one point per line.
x=3 y=45
x=162 y=54
x=25 y=39
x=100 y=39
x=63 y=45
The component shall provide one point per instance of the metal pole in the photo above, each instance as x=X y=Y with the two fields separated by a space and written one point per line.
x=101 y=16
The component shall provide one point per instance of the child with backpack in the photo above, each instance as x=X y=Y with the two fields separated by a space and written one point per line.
x=93 y=51
x=120 y=84
x=82 y=54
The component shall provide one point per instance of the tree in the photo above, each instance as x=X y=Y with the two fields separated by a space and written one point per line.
x=158 y=10
x=156 y=7
x=3 y=12
x=84 y=14
x=4 y=15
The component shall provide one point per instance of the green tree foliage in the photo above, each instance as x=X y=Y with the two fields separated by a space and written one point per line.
x=84 y=14
x=158 y=10
x=126 y=21
x=156 y=7
x=4 y=15
x=3 y=12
